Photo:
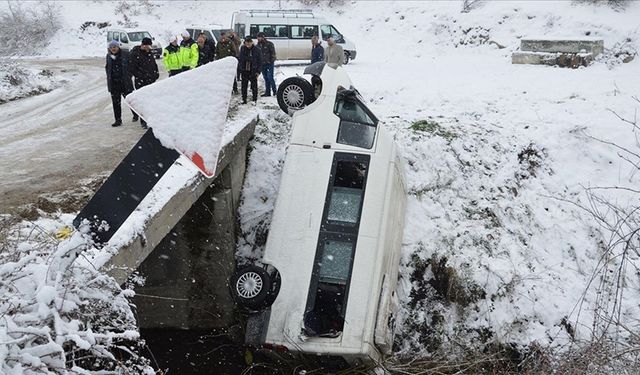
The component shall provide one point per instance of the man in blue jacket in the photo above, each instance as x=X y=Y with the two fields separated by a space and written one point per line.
x=249 y=66
x=317 y=51
x=118 y=79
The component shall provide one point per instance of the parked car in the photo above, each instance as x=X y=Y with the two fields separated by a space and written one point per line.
x=290 y=31
x=330 y=265
x=130 y=38
x=210 y=31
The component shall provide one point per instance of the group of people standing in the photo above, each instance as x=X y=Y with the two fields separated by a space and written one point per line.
x=253 y=60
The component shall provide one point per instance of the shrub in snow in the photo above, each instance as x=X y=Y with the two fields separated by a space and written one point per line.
x=27 y=29
x=18 y=82
x=74 y=321
x=620 y=53
x=129 y=9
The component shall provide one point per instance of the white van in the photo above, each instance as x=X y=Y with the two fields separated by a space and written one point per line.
x=290 y=31
x=332 y=255
x=130 y=38
x=212 y=32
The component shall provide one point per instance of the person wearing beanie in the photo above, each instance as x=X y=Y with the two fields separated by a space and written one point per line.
x=118 y=79
x=142 y=65
x=249 y=66
x=225 y=48
x=171 y=57
x=188 y=51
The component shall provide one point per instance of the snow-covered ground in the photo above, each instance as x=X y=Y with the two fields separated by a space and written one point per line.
x=496 y=247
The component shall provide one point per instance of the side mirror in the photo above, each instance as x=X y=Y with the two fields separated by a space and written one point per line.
x=153 y=38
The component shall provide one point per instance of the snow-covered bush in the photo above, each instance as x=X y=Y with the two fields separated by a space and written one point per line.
x=128 y=10
x=18 y=82
x=27 y=29
x=72 y=322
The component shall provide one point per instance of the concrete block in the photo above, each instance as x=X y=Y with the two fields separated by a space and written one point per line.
x=569 y=60
x=565 y=45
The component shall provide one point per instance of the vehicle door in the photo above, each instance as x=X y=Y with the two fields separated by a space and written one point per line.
x=300 y=41
x=125 y=42
x=331 y=30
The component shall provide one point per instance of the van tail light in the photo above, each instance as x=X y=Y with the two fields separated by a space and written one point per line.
x=275 y=347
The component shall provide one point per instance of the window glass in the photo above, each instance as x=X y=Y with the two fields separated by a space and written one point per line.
x=217 y=34
x=330 y=30
x=357 y=124
x=270 y=31
x=124 y=38
x=109 y=35
x=240 y=30
x=207 y=33
x=303 y=32
x=336 y=262
x=138 y=36
x=346 y=192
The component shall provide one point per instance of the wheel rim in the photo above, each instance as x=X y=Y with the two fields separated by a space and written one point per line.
x=293 y=96
x=249 y=285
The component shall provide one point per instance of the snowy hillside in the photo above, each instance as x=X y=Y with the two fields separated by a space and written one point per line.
x=499 y=248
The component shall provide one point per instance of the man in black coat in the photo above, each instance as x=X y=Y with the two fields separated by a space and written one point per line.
x=206 y=49
x=118 y=79
x=142 y=65
x=268 y=60
x=249 y=66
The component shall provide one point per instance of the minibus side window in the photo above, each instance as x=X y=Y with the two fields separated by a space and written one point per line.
x=303 y=32
x=335 y=252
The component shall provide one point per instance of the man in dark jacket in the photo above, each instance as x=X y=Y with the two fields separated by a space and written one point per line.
x=268 y=60
x=317 y=51
x=224 y=49
x=142 y=65
x=249 y=65
x=118 y=79
x=206 y=49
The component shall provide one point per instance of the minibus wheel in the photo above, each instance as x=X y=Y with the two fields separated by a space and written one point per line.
x=250 y=287
x=294 y=93
x=345 y=60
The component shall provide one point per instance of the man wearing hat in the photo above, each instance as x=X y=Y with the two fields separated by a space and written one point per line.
x=188 y=51
x=268 y=60
x=249 y=66
x=142 y=65
x=118 y=79
x=171 y=57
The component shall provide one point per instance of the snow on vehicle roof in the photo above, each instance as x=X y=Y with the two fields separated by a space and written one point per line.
x=194 y=123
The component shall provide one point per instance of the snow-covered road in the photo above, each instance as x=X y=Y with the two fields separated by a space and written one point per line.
x=50 y=142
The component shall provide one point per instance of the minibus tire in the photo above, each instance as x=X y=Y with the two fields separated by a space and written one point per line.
x=297 y=88
x=258 y=282
x=345 y=60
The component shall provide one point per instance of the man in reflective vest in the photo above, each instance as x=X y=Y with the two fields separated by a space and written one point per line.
x=171 y=57
x=188 y=52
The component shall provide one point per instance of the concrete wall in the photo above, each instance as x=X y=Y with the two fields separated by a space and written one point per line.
x=186 y=252
x=593 y=46
x=187 y=273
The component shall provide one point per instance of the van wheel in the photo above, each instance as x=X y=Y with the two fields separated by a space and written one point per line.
x=250 y=287
x=345 y=59
x=294 y=93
